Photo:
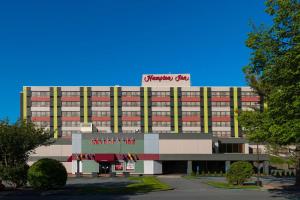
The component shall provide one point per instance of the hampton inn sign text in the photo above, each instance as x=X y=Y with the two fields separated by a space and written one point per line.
x=166 y=80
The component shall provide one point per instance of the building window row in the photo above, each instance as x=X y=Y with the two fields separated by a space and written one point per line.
x=220 y=104
x=131 y=103
x=131 y=113
x=220 y=93
x=70 y=103
x=70 y=113
x=160 y=113
x=40 y=103
x=102 y=123
x=191 y=124
x=42 y=124
x=220 y=113
x=131 y=93
x=101 y=93
x=40 y=94
x=161 y=93
x=225 y=134
x=71 y=123
x=160 y=104
x=131 y=123
x=190 y=93
x=67 y=133
x=101 y=113
x=190 y=113
x=221 y=124
x=100 y=103
x=190 y=104
x=70 y=93
x=40 y=113
x=251 y=104
x=248 y=93
x=161 y=124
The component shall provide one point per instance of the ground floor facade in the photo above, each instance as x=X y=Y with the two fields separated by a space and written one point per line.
x=152 y=153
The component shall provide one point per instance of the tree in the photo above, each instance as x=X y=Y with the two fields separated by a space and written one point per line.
x=274 y=73
x=239 y=172
x=17 y=142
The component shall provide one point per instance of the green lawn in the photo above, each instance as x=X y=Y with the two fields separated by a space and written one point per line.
x=229 y=186
x=141 y=185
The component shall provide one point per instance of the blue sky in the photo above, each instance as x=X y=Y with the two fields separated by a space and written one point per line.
x=110 y=42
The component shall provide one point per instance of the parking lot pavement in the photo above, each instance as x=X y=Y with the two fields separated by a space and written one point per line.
x=184 y=189
x=197 y=189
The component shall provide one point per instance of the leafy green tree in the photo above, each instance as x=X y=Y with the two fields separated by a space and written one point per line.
x=239 y=172
x=17 y=142
x=274 y=72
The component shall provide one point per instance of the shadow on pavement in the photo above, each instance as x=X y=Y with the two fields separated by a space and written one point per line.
x=289 y=192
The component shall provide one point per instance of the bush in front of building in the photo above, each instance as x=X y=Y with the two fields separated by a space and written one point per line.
x=14 y=175
x=47 y=174
x=239 y=172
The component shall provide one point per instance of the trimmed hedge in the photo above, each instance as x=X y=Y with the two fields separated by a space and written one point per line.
x=47 y=174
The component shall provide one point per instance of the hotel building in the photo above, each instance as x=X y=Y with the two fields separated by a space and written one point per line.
x=164 y=126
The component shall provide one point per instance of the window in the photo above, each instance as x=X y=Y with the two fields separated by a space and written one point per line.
x=101 y=93
x=131 y=93
x=191 y=124
x=131 y=113
x=160 y=104
x=40 y=94
x=251 y=104
x=161 y=124
x=70 y=113
x=231 y=148
x=220 y=94
x=191 y=104
x=161 y=93
x=190 y=113
x=248 y=93
x=101 y=113
x=40 y=103
x=67 y=133
x=223 y=134
x=220 y=113
x=131 y=123
x=71 y=123
x=160 y=113
x=102 y=123
x=221 y=124
x=40 y=114
x=42 y=124
x=220 y=104
x=131 y=103
x=70 y=103
x=190 y=93
x=70 y=93
x=100 y=103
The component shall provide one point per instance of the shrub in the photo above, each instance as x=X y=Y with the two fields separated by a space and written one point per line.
x=16 y=176
x=47 y=174
x=239 y=172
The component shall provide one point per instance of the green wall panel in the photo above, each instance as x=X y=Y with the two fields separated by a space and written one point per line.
x=89 y=166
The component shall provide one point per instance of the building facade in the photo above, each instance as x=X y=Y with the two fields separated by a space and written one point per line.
x=166 y=105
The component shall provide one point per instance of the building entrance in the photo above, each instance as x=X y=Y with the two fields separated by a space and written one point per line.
x=104 y=167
